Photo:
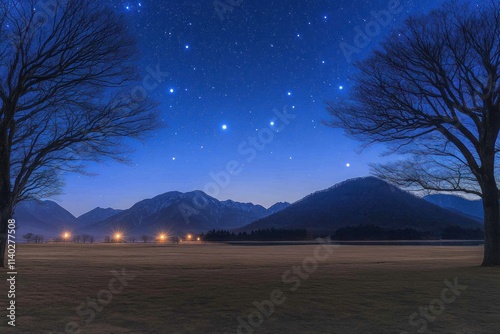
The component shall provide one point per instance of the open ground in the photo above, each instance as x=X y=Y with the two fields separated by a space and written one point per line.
x=205 y=288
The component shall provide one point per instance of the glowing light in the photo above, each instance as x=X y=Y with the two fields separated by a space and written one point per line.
x=118 y=236
x=172 y=90
x=162 y=237
x=198 y=239
x=66 y=235
x=348 y=165
x=289 y=93
x=272 y=123
x=224 y=127
x=341 y=87
x=189 y=237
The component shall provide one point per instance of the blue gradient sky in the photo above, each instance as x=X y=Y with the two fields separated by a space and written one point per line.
x=264 y=55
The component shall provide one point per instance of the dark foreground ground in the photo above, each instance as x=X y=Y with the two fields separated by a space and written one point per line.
x=205 y=289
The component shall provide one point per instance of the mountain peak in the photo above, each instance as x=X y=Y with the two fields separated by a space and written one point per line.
x=363 y=201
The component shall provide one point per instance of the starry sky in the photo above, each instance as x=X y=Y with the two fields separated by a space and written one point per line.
x=241 y=89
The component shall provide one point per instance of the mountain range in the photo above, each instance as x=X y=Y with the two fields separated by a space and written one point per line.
x=473 y=208
x=362 y=201
x=174 y=212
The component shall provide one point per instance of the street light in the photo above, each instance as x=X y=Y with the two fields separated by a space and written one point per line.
x=118 y=236
x=189 y=237
x=66 y=236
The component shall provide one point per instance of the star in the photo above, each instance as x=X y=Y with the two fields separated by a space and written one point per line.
x=341 y=87
x=224 y=127
x=348 y=165
x=171 y=90
x=187 y=46
x=272 y=123
x=289 y=93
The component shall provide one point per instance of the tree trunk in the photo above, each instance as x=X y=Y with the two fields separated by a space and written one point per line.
x=6 y=200
x=491 y=226
x=5 y=215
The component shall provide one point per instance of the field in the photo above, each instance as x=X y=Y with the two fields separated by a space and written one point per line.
x=198 y=288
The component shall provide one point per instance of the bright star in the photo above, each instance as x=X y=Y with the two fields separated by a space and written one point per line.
x=341 y=87
x=272 y=123
x=172 y=90
x=224 y=127
x=348 y=165
x=289 y=93
x=187 y=46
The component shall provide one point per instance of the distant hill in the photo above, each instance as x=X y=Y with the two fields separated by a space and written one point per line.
x=180 y=213
x=43 y=217
x=473 y=208
x=251 y=209
x=277 y=207
x=363 y=201
x=96 y=215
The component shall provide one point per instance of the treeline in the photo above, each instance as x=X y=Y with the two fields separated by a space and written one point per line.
x=34 y=238
x=258 y=235
x=373 y=232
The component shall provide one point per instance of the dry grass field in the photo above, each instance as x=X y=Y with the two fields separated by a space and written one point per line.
x=205 y=288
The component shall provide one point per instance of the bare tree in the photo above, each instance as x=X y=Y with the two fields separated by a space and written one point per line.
x=146 y=238
x=66 y=96
x=38 y=239
x=132 y=239
x=85 y=238
x=28 y=237
x=77 y=238
x=431 y=92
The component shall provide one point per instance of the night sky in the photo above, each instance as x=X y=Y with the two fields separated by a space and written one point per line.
x=231 y=76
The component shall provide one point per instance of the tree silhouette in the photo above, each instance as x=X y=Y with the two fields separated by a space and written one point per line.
x=28 y=237
x=431 y=92
x=66 y=96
